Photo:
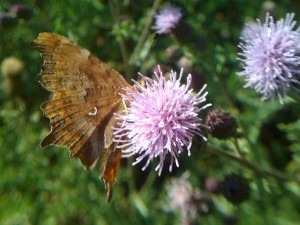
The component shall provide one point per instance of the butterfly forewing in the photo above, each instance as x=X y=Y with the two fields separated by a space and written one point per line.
x=85 y=98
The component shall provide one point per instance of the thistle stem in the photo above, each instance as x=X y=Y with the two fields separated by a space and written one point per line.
x=115 y=9
x=144 y=33
x=237 y=148
x=273 y=173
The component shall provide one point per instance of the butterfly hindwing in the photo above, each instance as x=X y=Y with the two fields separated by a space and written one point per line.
x=85 y=98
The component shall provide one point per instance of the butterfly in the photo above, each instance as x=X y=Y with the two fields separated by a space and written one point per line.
x=81 y=109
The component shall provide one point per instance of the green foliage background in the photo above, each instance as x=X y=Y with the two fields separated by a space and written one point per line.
x=45 y=187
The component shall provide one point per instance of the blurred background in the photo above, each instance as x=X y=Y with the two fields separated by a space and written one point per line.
x=43 y=186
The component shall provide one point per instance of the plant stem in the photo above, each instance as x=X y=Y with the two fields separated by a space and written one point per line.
x=144 y=33
x=237 y=148
x=115 y=9
x=253 y=167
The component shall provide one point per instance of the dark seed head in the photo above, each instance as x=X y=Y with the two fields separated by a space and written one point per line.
x=7 y=21
x=22 y=11
x=222 y=124
x=235 y=188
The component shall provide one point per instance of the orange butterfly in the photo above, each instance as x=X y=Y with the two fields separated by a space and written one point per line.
x=81 y=110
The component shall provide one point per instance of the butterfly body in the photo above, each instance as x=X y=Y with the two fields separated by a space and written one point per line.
x=81 y=110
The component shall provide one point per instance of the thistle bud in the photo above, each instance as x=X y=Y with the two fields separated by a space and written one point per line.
x=7 y=21
x=222 y=124
x=197 y=80
x=172 y=54
x=235 y=188
x=165 y=69
x=212 y=184
x=185 y=63
x=12 y=69
x=22 y=11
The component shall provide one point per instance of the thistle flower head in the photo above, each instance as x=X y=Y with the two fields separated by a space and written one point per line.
x=271 y=57
x=161 y=119
x=180 y=193
x=250 y=30
x=167 y=19
x=188 y=200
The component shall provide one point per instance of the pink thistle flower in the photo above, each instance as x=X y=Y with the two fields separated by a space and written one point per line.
x=167 y=19
x=161 y=119
x=270 y=57
x=250 y=30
